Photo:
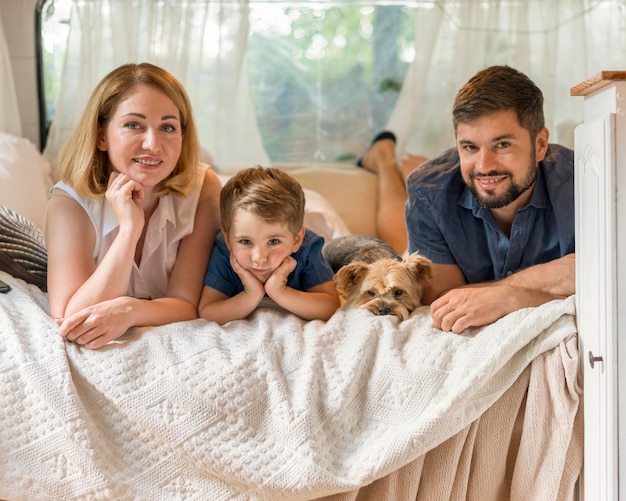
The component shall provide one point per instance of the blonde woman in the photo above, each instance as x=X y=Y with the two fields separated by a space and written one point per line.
x=135 y=214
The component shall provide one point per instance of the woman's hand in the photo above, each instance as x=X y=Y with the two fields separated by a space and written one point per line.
x=123 y=194
x=96 y=325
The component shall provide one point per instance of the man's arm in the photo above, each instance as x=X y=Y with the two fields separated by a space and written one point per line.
x=475 y=305
x=445 y=277
x=557 y=277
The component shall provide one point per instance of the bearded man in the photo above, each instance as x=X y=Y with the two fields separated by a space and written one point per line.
x=496 y=213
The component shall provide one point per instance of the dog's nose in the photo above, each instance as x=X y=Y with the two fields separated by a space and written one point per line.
x=383 y=310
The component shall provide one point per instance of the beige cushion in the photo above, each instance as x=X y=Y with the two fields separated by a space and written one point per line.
x=352 y=191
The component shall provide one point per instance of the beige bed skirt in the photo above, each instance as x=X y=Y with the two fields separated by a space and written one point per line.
x=528 y=446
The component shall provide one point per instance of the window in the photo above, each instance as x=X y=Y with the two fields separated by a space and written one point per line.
x=323 y=77
x=312 y=81
x=52 y=27
x=324 y=74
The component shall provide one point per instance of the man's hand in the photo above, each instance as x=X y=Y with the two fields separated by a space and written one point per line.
x=459 y=306
x=478 y=305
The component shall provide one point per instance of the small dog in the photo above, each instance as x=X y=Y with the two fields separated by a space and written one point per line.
x=370 y=274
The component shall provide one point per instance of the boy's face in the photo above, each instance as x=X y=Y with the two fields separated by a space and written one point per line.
x=259 y=246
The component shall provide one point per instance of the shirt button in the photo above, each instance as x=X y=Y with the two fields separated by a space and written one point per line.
x=509 y=273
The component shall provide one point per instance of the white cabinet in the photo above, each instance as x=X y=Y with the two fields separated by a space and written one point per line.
x=600 y=166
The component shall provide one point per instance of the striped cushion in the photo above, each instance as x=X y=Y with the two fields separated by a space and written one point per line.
x=22 y=249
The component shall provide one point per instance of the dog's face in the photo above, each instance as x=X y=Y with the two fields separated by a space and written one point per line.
x=385 y=287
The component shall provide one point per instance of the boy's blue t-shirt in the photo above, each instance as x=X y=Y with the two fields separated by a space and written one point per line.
x=311 y=269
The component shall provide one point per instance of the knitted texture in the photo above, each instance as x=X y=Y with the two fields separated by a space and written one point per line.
x=267 y=408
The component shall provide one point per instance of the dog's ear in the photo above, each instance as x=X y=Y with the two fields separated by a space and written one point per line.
x=349 y=278
x=420 y=267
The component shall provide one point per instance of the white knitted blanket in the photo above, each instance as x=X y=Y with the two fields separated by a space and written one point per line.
x=270 y=408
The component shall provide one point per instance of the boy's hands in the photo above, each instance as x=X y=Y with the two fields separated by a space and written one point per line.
x=319 y=302
x=277 y=281
x=251 y=284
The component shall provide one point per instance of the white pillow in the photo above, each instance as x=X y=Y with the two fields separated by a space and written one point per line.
x=321 y=217
x=25 y=178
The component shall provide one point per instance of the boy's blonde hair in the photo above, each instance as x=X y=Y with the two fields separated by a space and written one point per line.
x=269 y=193
x=86 y=169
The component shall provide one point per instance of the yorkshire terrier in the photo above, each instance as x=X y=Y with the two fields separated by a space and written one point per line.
x=370 y=274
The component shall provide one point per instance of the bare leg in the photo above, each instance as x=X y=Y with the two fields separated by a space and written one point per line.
x=409 y=162
x=381 y=160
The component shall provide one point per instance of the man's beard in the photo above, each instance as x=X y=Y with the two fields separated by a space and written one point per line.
x=513 y=193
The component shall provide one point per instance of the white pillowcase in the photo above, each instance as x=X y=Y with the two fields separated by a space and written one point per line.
x=25 y=178
x=321 y=217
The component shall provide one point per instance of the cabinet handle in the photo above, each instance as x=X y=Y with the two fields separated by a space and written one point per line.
x=593 y=359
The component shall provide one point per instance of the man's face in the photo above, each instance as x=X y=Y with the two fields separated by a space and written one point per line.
x=499 y=159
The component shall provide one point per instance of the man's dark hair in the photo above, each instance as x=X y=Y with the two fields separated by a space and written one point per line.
x=500 y=88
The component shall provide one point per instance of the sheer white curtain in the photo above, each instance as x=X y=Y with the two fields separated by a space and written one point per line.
x=557 y=43
x=9 y=112
x=202 y=43
x=259 y=94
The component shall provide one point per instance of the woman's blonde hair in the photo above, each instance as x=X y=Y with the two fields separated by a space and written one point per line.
x=86 y=169
x=271 y=194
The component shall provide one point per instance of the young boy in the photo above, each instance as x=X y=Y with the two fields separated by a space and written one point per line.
x=264 y=249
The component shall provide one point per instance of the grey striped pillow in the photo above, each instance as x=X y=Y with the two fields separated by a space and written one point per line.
x=22 y=249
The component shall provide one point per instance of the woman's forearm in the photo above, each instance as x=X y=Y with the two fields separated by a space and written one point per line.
x=110 y=279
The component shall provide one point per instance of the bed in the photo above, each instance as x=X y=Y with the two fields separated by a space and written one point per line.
x=273 y=407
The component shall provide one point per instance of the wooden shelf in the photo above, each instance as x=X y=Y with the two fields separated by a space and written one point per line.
x=597 y=82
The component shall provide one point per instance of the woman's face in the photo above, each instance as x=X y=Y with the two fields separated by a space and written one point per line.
x=143 y=138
